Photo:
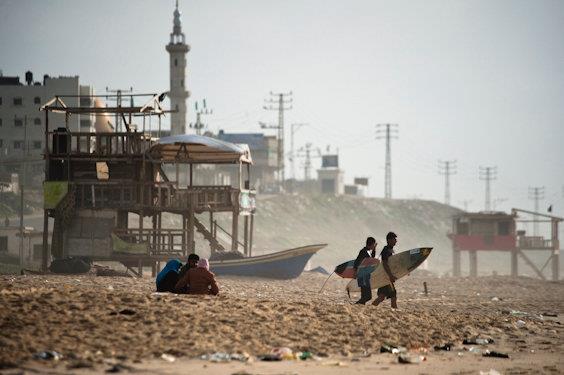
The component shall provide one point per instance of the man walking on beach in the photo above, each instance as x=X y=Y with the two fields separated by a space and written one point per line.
x=388 y=291
x=364 y=281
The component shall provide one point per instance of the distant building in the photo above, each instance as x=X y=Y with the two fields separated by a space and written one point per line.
x=22 y=124
x=32 y=244
x=177 y=49
x=330 y=176
x=264 y=151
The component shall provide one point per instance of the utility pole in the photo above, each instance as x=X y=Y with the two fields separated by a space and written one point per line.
x=278 y=102
x=536 y=194
x=119 y=94
x=447 y=168
x=305 y=152
x=198 y=125
x=465 y=203
x=22 y=186
x=488 y=174
x=293 y=129
x=387 y=132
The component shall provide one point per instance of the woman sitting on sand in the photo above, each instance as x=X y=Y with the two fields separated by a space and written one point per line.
x=199 y=280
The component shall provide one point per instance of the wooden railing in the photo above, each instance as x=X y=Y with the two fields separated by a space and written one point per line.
x=63 y=144
x=160 y=241
x=534 y=242
x=162 y=196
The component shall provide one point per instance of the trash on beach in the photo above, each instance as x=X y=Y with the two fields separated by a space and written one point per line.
x=494 y=354
x=168 y=357
x=219 y=357
x=283 y=353
x=520 y=323
x=119 y=368
x=495 y=299
x=490 y=372
x=269 y=358
x=446 y=347
x=410 y=358
x=474 y=350
x=514 y=312
x=48 y=355
x=550 y=314
x=477 y=341
x=387 y=348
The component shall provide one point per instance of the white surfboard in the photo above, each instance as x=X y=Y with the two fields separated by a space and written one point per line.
x=400 y=264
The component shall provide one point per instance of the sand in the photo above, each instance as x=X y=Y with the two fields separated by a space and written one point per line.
x=96 y=322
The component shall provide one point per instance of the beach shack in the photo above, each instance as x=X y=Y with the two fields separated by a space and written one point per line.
x=106 y=191
x=499 y=231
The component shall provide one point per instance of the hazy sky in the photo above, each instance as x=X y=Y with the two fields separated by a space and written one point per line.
x=477 y=81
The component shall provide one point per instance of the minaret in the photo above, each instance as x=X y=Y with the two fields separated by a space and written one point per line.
x=177 y=48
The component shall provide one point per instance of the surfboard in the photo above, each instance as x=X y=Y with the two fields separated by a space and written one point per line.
x=346 y=270
x=400 y=264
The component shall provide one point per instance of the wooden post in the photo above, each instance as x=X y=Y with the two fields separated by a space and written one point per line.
x=455 y=262
x=184 y=236
x=251 y=234
x=212 y=243
x=514 y=263
x=191 y=224
x=246 y=234
x=235 y=231
x=45 y=252
x=555 y=250
x=140 y=267
x=473 y=263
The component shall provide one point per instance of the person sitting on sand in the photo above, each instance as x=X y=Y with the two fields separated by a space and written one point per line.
x=364 y=282
x=388 y=291
x=168 y=277
x=172 y=272
x=199 y=280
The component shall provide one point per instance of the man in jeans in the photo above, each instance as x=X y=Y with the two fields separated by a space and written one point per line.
x=364 y=281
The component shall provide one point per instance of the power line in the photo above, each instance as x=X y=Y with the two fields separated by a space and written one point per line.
x=387 y=132
x=306 y=153
x=536 y=194
x=447 y=168
x=488 y=174
x=277 y=102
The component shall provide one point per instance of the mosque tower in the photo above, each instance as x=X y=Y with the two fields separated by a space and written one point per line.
x=177 y=49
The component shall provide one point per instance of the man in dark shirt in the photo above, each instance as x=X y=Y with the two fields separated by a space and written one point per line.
x=388 y=291
x=364 y=283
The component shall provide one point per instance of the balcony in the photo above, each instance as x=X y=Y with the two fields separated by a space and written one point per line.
x=534 y=243
x=162 y=196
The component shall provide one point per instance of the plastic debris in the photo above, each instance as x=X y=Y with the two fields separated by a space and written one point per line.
x=269 y=358
x=477 y=341
x=48 y=355
x=409 y=358
x=283 y=353
x=514 y=312
x=446 y=347
x=495 y=354
x=219 y=357
x=168 y=357
x=495 y=299
x=387 y=348
x=490 y=372
x=521 y=323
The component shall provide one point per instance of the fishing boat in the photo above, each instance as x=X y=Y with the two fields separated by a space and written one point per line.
x=286 y=264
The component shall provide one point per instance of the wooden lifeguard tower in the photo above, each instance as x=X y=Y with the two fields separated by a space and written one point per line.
x=498 y=231
x=96 y=181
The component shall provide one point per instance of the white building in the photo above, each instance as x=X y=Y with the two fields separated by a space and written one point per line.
x=22 y=124
x=177 y=49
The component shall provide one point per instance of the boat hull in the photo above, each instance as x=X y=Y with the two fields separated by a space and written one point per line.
x=287 y=264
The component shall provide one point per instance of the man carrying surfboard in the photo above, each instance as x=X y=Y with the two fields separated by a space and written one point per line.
x=364 y=282
x=388 y=291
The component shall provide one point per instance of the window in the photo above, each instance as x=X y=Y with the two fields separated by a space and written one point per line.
x=0 y=100
x=85 y=123
x=0 y=122
x=18 y=145
x=175 y=62
x=18 y=101
x=37 y=121
x=3 y=244
x=36 y=145
x=182 y=82
x=37 y=100
x=504 y=228
x=1 y=143
x=84 y=102
x=18 y=122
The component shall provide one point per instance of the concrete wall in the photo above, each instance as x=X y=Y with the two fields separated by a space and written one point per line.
x=90 y=233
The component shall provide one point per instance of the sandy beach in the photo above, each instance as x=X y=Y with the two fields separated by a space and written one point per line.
x=98 y=322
